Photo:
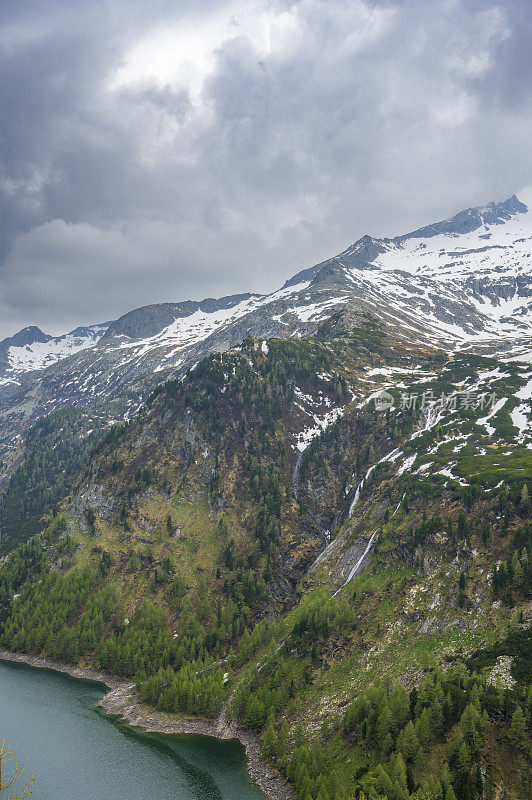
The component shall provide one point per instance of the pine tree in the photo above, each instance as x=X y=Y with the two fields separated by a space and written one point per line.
x=463 y=759
x=517 y=569
x=445 y=777
x=518 y=728
x=399 y=705
x=383 y=781
x=470 y=724
x=413 y=699
x=384 y=724
x=387 y=746
x=419 y=760
x=408 y=742
x=282 y=740
x=399 y=770
x=525 y=499
x=431 y=789
x=423 y=727
x=449 y=794
x=398 y=792
x=269 y=749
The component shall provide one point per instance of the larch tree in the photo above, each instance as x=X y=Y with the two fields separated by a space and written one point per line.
x=8 y=781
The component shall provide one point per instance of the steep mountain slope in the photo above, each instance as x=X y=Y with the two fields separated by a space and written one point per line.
x=460 y=284
x=274 y=540
x=324 y=535
x=54 y=452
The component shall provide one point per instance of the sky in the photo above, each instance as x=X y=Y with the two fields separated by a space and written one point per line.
x=159 y=151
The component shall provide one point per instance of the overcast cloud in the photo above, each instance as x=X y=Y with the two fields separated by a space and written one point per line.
x=154 y=151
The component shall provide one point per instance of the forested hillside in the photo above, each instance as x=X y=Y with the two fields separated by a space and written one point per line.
x=55 y=450
x=351 y=584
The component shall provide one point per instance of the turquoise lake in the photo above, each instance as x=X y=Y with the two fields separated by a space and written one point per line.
x=78 y=753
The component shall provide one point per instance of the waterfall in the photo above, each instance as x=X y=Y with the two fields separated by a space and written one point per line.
x=295 y=474
x=388 y=457
x=357 y=566
x=433 y=414
x=359 y=489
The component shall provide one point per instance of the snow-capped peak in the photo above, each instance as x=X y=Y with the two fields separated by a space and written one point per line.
x=464 y=283
x=31 y=349
x=464 y=280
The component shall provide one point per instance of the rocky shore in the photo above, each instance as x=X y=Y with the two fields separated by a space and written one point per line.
x=123 y=702
x=83 y=673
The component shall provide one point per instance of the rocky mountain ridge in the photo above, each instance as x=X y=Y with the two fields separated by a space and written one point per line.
x=31 y=350
x=463 y=284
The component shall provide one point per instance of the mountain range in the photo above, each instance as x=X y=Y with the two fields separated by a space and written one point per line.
x=304 y=515
x=464 y=284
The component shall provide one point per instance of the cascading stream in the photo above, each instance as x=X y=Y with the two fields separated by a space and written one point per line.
x=295 y=474
x=432 y=416
x=357 y=566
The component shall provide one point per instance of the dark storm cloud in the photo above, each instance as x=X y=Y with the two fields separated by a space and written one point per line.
x=149 y=153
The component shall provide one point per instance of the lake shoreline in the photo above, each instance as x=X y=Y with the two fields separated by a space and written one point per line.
x=122 y=702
